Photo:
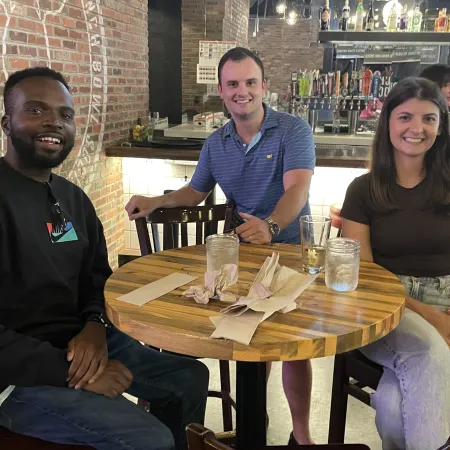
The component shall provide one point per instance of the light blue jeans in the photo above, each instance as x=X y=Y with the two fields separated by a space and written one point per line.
x=412 y=401
x=176 y=387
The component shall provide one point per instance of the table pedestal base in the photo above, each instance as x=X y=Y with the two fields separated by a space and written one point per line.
x=251 y=393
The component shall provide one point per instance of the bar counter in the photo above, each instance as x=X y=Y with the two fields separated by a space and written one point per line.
x=325 y=157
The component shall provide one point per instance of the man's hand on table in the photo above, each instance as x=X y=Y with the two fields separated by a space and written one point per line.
x=254 y=231
x=114 y=380
x=144 y=205
x=88 y=354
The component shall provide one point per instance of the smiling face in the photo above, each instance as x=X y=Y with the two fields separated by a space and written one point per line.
x=414 y=127
x=242 y=88
x=41 y=125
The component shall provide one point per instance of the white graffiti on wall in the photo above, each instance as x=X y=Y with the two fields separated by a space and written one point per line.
x=81 y=168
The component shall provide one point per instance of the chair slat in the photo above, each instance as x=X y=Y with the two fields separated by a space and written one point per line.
x=184 y=235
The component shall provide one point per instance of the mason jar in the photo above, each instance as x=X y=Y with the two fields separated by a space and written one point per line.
x=342 y=264
x=221 y=249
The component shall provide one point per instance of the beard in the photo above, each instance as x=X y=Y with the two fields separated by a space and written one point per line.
x=30 y=157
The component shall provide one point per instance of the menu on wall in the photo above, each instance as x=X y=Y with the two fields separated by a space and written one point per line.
x=406 y=53
x=430 y=54
x=378 y=54
x=388 y=54
x=209 y=54
x=351 y=51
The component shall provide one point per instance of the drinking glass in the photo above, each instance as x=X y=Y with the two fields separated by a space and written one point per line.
x=314 y=232
x=221 y=249
x=342 y=264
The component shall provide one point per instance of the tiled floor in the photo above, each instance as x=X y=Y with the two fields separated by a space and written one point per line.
x=360 y=418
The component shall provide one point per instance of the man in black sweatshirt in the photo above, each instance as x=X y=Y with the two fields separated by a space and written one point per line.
x=63 y=367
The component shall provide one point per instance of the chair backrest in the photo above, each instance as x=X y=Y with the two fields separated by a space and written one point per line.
x=200 y=438
x=206 y=219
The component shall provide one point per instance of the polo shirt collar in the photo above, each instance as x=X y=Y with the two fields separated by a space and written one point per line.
x=270 y=121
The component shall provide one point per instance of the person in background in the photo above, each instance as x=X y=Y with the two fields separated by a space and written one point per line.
x=63 y=366
x=400 y=213
x=264 y=161
x=439 y=74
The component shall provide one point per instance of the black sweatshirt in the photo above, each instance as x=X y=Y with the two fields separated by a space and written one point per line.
x=49 y=282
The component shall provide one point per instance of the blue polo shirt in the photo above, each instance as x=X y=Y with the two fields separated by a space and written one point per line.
x=252 y=175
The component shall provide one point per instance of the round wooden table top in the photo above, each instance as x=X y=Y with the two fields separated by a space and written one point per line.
x=325 y=322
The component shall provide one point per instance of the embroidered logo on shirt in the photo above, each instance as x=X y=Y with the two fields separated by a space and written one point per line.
x=269 y=156
x=68 y=235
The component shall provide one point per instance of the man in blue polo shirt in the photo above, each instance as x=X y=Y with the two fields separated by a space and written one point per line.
x=263 y=160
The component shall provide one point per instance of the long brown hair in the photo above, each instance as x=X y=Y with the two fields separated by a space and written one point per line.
x=383 y=172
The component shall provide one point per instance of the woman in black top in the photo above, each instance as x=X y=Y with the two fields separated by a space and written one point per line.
x=400 y=213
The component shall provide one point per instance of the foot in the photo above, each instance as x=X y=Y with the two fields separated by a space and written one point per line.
x=294 y=444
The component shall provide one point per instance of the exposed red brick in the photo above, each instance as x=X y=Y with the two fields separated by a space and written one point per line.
x=71 y=53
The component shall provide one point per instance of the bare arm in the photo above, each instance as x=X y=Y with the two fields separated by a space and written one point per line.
x=186 y=196
x=361 y=233
x=296 y=189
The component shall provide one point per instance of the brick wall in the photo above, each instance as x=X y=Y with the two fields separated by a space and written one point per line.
x=101 y=46
x=284 y=49
x=208 y=20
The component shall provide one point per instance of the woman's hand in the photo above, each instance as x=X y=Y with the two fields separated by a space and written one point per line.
x=441 y=321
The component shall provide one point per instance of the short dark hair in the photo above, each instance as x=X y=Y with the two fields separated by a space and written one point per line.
x=438 y=73
x=17 y=77
x=383 y=172
x=238 y=54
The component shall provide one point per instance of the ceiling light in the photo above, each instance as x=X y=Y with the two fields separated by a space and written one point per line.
x=291 y=20
x=281 y=7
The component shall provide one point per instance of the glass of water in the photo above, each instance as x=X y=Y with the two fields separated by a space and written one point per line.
x=221 y=249
x=342 y=264
x=314 y=232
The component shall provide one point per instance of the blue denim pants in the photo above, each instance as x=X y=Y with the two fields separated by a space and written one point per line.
x=176 y=388
x=412 y=401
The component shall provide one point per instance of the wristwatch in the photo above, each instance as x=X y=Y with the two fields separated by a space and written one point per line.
x=274 y=227
x=98 y=318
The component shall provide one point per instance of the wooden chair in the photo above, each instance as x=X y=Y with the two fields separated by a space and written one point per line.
x=206 y=219
x=13 y=441
x=352 y=373
x=200 y=438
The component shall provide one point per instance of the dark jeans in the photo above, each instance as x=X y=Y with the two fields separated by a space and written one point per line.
x=176 y=388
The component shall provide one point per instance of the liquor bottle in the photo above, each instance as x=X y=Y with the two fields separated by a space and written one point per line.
x=325 y=16
x=404 y=22
x=442 y=20
x=370 y=19
x=392 y=19
x=345 y=16
x=416 y=19
x=359 y=16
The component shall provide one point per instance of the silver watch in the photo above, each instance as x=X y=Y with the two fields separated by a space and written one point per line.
x=274 y=227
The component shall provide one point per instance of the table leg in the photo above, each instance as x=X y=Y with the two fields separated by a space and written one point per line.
x=251 y=392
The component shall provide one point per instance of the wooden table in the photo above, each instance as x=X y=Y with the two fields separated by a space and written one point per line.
x=325 y=323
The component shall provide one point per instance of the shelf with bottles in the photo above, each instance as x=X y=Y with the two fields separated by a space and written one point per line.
x=383 y=37
x=390 y=16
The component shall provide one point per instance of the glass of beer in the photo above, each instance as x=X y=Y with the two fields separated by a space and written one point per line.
x=314 y=232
